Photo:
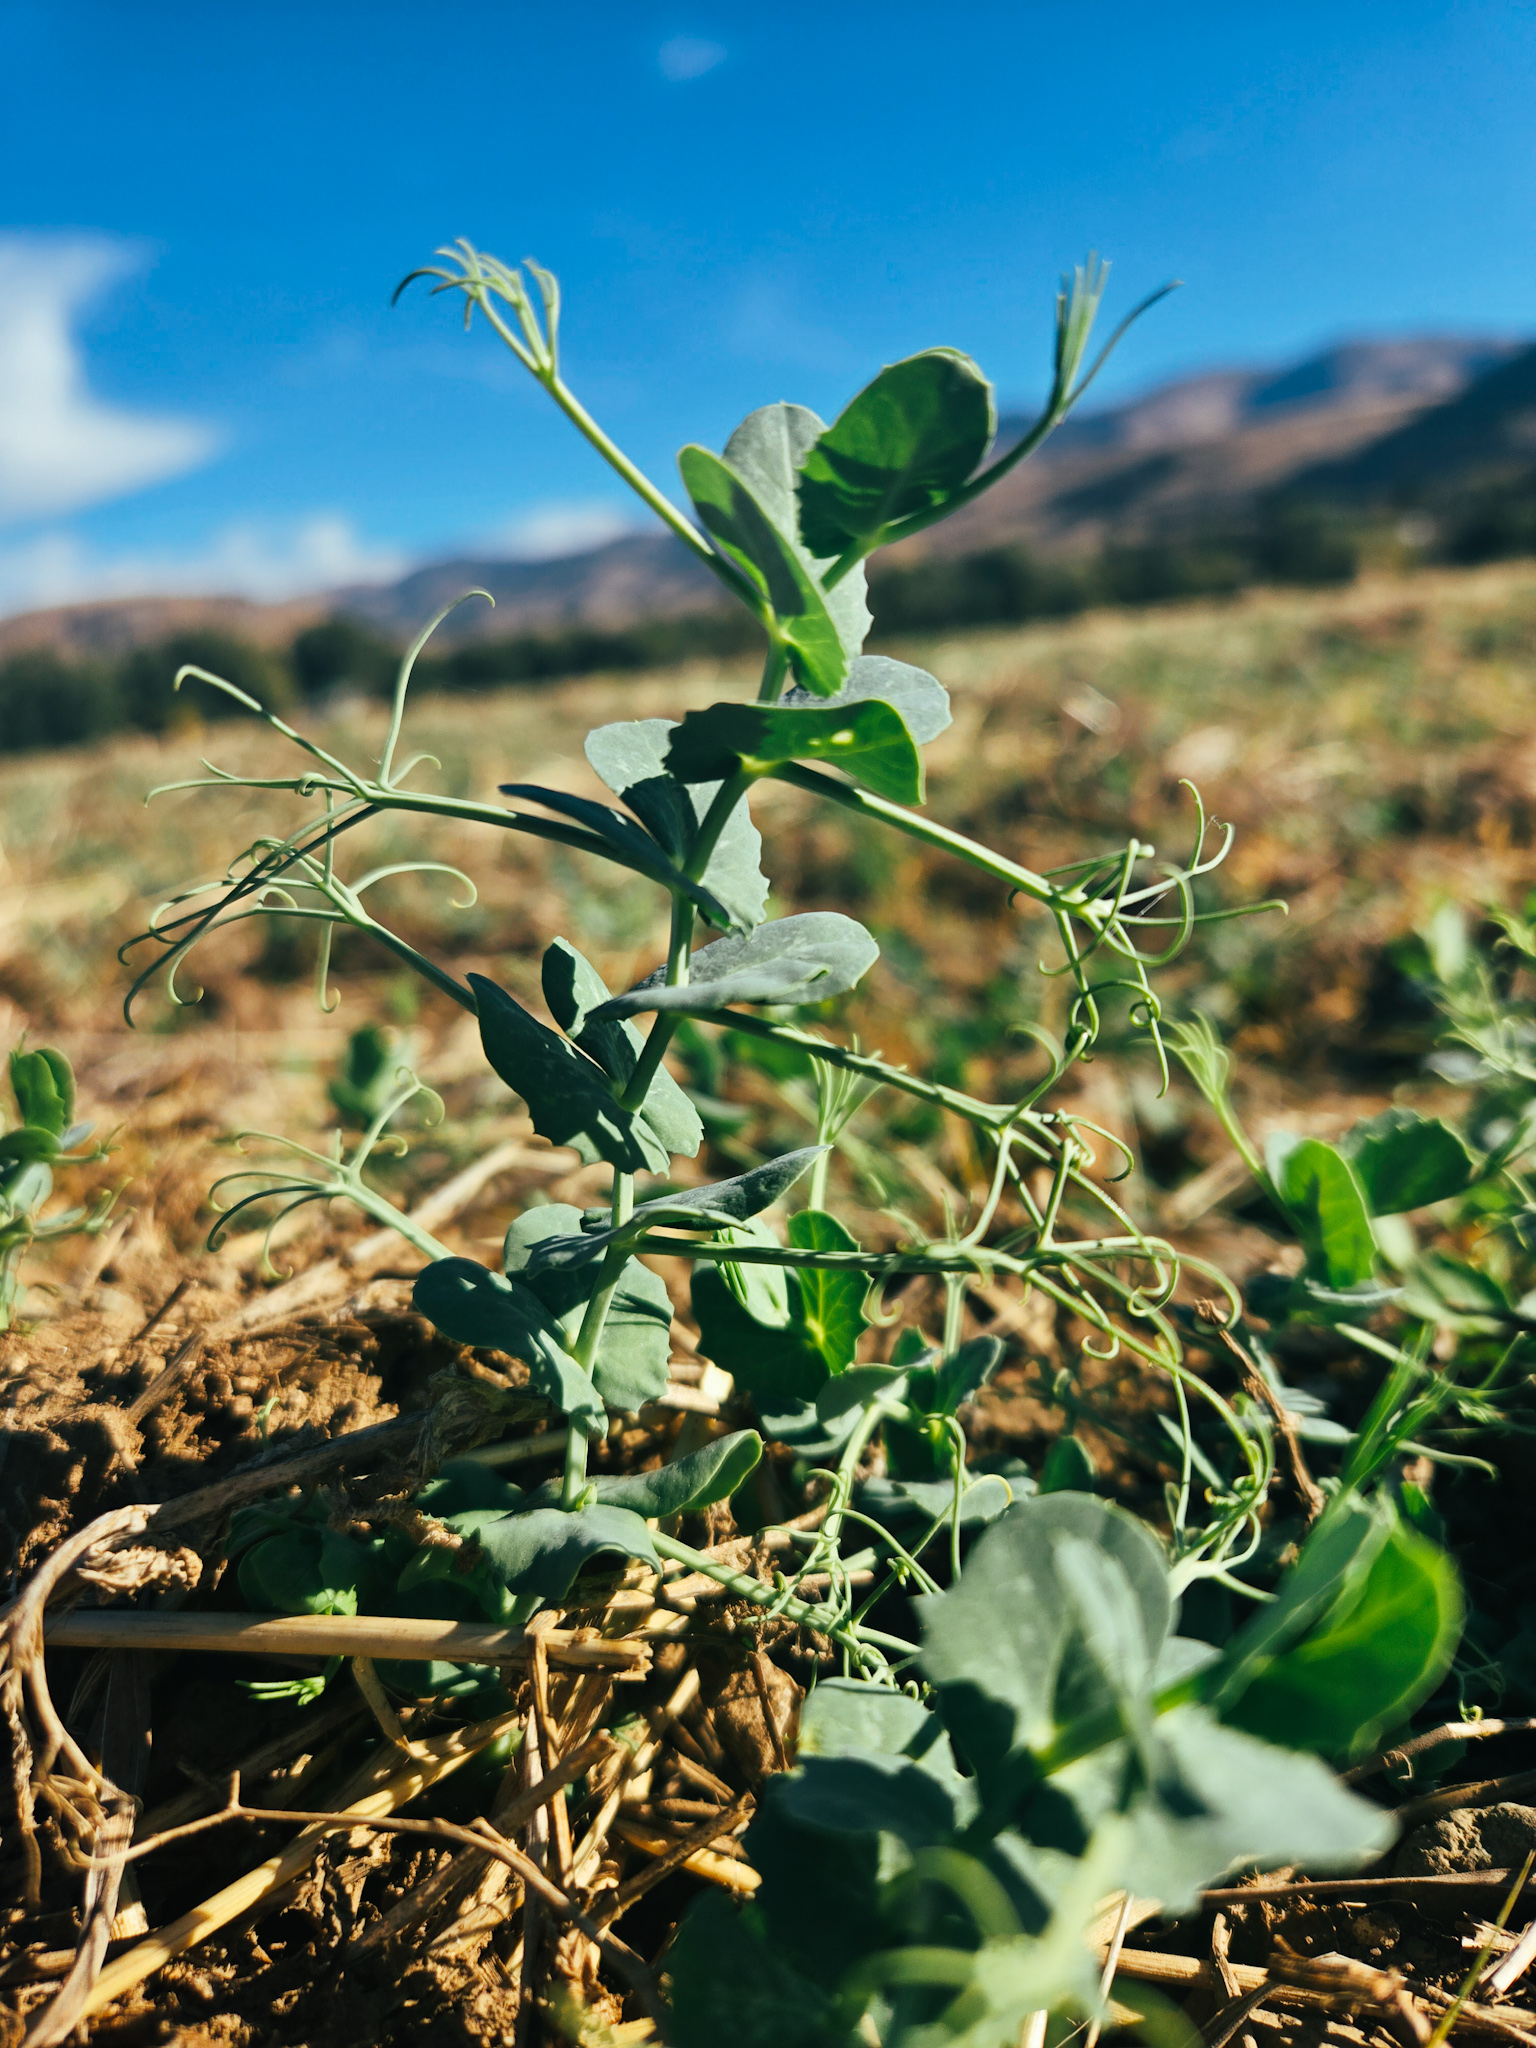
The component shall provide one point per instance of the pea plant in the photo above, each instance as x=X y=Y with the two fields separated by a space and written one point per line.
x=46 y=1136
x=968 y=1797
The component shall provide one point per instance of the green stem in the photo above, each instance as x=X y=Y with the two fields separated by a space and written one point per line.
x=660 y=1036
x=1022 y=880
x=775 y=669
x=590 y=1337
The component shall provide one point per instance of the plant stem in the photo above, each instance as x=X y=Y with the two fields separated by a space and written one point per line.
x=1022 y=880
x=863 y=1645
x=589 y=1338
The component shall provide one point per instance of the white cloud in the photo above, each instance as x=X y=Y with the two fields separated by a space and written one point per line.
x=248 y=559
x=61 y=447
x=550 y=531
x=684 y=57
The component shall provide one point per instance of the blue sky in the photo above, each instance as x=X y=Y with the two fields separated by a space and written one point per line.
x=203 y=211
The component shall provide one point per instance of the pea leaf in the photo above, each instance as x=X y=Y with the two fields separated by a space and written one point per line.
x=682 y=1488
x=1406 y=1161
x=771 y=564
x=905 y=444
x=43 y=1083
x=631 y=1364
x=766 y=452
x=1383 y=1645
x=831 y=1302
x=778 y=1365
x=1444 y=1289
x=802 y=959
x=625 y=836
x=313 y=1571
x=630 y=756
x=474 y=1306
x=1015 y=1650
x=28 y=1145
x=718 y=1203
x=568 y=1095
x=1067 y=1468
x=895 y=1501
x=574 y=990
x=730 y=1983
x=945 y=1388
x=872 y=729
x=1325 y=1200
x=542 y=1550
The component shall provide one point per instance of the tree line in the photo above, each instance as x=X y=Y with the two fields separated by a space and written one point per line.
x=51 y=700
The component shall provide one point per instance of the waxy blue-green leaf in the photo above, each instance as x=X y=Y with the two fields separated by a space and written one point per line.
x=630 y=756
x=574 y=990
x=896 y=1502
x=849 y=1392
x=1406 y=1161
x=43 y=1083
x=766 y=452
x=872 y=730
x=771 y=564
x=625 y=836
x=631 y=1364
x=474 y=1306
x=1067 y=1468
x=944 y=1389
x=904 y=445
x=569 y=1097
x=1327 y=1205
x=684 y=1487
x=541 y=1551
x=801 y=959
x=1011 y=1648
x=306 y=1570
x=706 y=1208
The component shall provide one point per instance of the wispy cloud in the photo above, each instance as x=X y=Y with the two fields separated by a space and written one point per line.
x=553 y=530
x=685 y=57
x=61 y=447
x=245 y=559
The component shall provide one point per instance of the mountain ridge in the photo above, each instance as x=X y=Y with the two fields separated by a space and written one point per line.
x=1187 y=453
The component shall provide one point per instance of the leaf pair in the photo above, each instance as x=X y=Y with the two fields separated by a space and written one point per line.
x=783 y=1332
x=745 y=500
x=572 y=1084
x=872 y=729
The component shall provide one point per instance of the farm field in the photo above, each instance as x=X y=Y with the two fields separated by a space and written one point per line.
x=1374 y=749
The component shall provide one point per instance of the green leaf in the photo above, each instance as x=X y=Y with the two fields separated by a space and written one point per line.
x=872 y=729
x=771 y=564
x=831 y=1303
x=463 y=1486
x=944 y=1389
x=542 y=1550
x=778 y=1366
x=1406 y=1161
x=719 y=1203
x=574 y=989
x=682 y=1488
x=729 y=1983
x=894 y=1501
x=631 y=1364
x=1327 y=1205
x=1383 y=1645
x=762 y=1290
x=43 y=1083
x=905 y=445
x=802 y=959
x=1212 y=1801
x=313 y=1571
x=1020 y=1648
x=630 y=756
x=848 y=1393
x=766 y=452
x=1067 y=1468
x=1444 y=1289
x=568 y=1095
x=28 y=1145
x=474 y=1306
x=625 y=836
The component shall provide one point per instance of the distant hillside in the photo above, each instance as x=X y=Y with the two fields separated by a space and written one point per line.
x=1485 y=434
x=1364 y=418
